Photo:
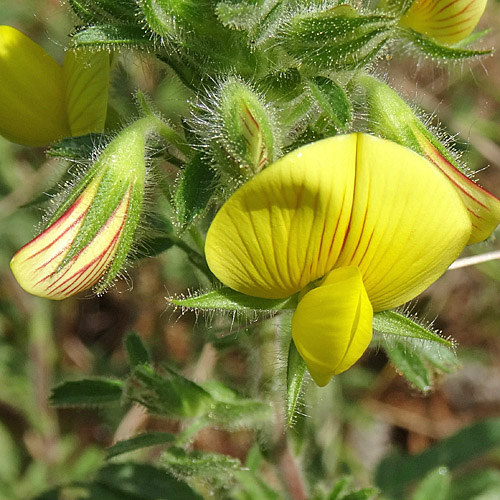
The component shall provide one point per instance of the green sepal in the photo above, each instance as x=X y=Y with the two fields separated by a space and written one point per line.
x=337 y=39
x=226 y=299
x=393 y=323
x=295 y=372
x=195 y=188
x=333 y=100
x=436 y=51
x=114 y=36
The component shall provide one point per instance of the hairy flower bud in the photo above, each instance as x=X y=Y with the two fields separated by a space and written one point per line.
x=446 y=21
x=88 y=238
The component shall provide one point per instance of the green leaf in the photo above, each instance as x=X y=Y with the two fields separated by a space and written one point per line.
x=82 y=491
x=138 y=442
x=243 y=14
x=408 y=363
x=296 y=369
x=168 y=395
x=396 y=472
x=434 y=50
x=332 y=100
x=95 y=11
x=194 y=190
x=339 y=487
x=393 y=323
x=87 y=392
x=213 y=468
x=136 y=350
x=225 y=299
x=144 y=482
x=436 y=485
x=231 y=411
x=113 y=36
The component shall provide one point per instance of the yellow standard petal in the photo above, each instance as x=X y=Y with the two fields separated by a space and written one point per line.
x=86 y=79
x=286 y=227
x=447 y=21
x=408 y=223
x=32 y=106
x=332 y=325
x=36 y=266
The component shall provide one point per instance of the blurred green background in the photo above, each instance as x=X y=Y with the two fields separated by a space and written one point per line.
x=368 y=423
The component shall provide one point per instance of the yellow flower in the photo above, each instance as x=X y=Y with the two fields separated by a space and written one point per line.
x=447 y=21
x=42 y=102
x=355 y=223
x=87 y=240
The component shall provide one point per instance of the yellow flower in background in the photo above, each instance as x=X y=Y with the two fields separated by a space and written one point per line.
x=42 y=102
x=446 y=21
x=355 y=223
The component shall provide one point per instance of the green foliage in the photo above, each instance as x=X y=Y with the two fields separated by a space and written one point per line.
x=89 y=392
x=139 y=442
x=136 y=350
x=396 y=473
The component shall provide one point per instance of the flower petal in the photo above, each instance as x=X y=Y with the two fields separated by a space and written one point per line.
x=447 y=21
x=285 y=228
x=86 y=77
x=482 y=206
x=408 y=223
x=31 y=92
x=332 y=325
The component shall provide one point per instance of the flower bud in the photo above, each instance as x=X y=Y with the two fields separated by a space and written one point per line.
x=391 y=118
x=246 y=140
x=446 y=21
x=88 y=238
x=42 y=102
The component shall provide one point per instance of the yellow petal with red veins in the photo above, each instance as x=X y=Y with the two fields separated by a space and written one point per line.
x=447 y=21
x=31 y=92
x=482 y=206
x=332 y=325
x=37 y=266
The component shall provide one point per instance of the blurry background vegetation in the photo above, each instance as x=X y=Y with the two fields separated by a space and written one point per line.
x=353 y=427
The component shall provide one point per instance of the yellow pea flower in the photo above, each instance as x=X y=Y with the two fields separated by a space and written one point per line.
x=446 y=21
x=368 y=222
x=42 y=102
x=88 y=238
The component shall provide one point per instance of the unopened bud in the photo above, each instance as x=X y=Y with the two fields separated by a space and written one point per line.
x=88 y=238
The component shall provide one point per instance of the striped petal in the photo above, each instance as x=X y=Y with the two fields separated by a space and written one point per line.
x=286 y=227
x=447 y=21
x=86 y=79
x=38 y=265
x=482 y=206
x=32 y=110
x=408 y=224
x=332 y=325
x=353 y=200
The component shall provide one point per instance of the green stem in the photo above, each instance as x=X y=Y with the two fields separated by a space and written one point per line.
x=197 y=259
x=164 y=130
x=198 y=238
